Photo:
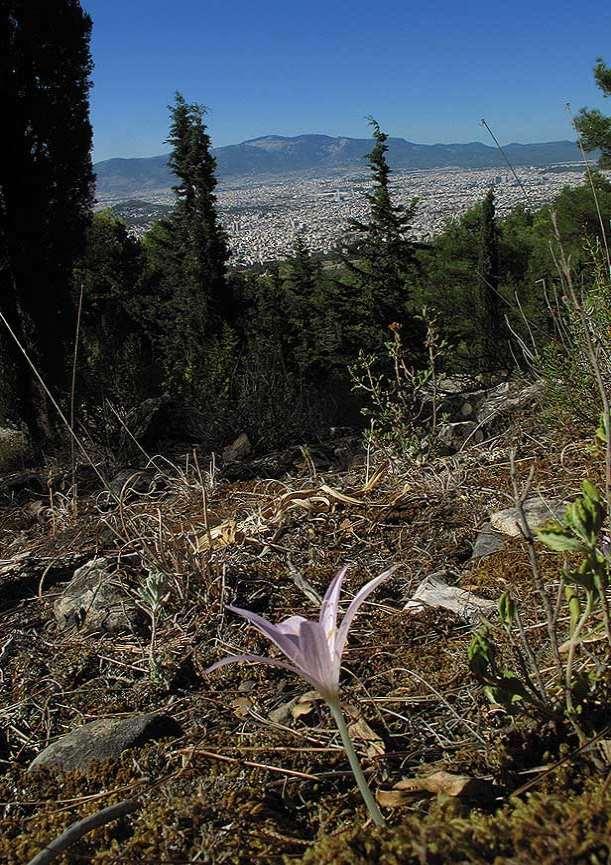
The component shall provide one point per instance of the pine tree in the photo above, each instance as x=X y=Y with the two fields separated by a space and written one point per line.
x=195 y=216
x=46 y=182
x=188 y=254
x=593 y=126
x=380 y=258
x=493 y=335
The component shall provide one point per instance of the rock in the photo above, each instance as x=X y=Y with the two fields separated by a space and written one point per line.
x=434 y=592
x=502 y=401
x=454 y=435
x=13 y=448
x=238 y=450
x=537 y=512
x=105 y=739
x=20 y=577
x=467 y=409
x=488 y=541
x=94 y=600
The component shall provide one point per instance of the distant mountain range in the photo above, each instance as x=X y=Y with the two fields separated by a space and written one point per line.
x=322 y=154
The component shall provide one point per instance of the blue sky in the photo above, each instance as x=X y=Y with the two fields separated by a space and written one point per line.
x=427 y=70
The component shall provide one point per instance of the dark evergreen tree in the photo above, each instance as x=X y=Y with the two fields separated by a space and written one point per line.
x=195 y=216
x=306 y=342
x=114 y=344
x=491 y=309
x=593 y=126
x=380 y=258
x=188 y=255
x=46 y=183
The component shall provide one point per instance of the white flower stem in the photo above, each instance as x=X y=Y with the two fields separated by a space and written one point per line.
x=372 y=805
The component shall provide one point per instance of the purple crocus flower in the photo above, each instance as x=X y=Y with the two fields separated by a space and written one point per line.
x=313 y=648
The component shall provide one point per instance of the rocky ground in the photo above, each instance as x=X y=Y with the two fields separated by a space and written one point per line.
x=113 y=605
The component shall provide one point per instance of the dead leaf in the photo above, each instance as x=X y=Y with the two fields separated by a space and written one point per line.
x=295 y=708
x=360 y=731
x=446 y=783
x=605 y=749
x=339 y=497
x=390 y=798
x=590 y=638
x=218 y=536
x=376 y=479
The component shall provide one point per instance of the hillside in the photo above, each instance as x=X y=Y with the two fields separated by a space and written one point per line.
x=243 y=765
x=275 y=154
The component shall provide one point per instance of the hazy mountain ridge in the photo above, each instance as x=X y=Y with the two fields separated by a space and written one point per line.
x=276 y=154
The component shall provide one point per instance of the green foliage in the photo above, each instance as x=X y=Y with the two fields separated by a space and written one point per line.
x=379 y=261
x=46 y=185
x=399 y=399
x=564 y=361
x=548 y=828
x=492 y=331
x=594 y=126
x=187 y=294
x=115 y=350
x=500 y=685
x=565 y=691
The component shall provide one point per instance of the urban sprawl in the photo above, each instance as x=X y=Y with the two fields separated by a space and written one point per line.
x=262 y=216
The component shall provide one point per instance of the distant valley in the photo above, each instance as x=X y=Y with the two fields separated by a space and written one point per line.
x=323 y=155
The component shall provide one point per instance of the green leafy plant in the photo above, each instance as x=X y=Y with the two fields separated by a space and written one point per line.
x=582 y=597
x=151 y=599
x=401 y=399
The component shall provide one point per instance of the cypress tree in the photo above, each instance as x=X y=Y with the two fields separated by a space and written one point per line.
x=115 y=349
x=380 y=259
x=204 y=241
x=189 y=252
x=493 y=334
x=46 y=183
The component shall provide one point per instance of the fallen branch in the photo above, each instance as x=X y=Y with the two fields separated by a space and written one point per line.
x=225 y=759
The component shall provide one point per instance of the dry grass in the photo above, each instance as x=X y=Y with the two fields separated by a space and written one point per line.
x=242 y=786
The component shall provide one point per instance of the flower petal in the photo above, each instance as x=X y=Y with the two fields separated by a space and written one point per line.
x=328 y=610
x=356 y=602
x=317 y=662
x=269 y=662
x=286 y=641
x=291 y=627
x=258 y=659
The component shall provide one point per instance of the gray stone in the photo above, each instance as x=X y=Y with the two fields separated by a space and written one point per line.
x=454 y=435
x=435 y=592
x=94 y=600
x=238 y=450
x=105 y=739
x=488 y=541
x=502 y=401
x=537 y=512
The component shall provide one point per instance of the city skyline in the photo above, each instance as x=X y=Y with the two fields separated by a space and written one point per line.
x=428 y=73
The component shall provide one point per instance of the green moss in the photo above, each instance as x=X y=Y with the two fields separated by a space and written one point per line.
x=549 y=828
